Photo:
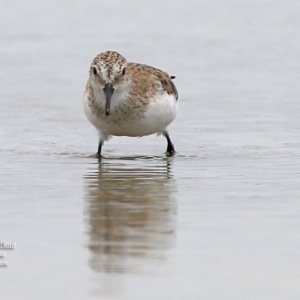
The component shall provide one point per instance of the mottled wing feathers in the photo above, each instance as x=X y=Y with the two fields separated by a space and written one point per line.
x=153 y=77
x=166 y=82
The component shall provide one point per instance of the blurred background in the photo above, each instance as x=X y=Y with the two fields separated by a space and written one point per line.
x=220 y=220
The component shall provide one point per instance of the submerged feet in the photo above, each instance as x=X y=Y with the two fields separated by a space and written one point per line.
x=170 y=147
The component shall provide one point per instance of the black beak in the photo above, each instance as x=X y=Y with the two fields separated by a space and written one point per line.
x=108 y=92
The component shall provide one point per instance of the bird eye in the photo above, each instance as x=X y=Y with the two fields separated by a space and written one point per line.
x=123 y=72
x=95 y=70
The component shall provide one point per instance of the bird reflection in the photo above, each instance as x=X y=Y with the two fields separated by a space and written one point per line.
x=130 y=213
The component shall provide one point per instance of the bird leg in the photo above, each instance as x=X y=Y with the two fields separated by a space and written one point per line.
x=98 y=154
x=170 y=148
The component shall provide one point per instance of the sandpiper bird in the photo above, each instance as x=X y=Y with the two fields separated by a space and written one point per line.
x=129 y=99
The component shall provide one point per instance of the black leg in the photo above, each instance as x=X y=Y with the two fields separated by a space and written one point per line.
x=170 y=147
x=99 y=149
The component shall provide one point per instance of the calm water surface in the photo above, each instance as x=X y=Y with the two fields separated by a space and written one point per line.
x=220 y=220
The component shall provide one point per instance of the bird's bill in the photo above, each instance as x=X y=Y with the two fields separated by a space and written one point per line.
x=108 y=92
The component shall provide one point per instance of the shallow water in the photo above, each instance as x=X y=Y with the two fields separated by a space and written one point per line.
x=220 y=220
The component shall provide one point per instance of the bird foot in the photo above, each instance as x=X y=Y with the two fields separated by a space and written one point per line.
x=170 y=153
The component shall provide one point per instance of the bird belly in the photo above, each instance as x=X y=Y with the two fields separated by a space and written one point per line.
x=135 y=122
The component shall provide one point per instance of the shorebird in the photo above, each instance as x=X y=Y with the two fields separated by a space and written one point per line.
x=129 y=99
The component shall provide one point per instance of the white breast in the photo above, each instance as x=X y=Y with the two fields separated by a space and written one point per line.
x=160 y=112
